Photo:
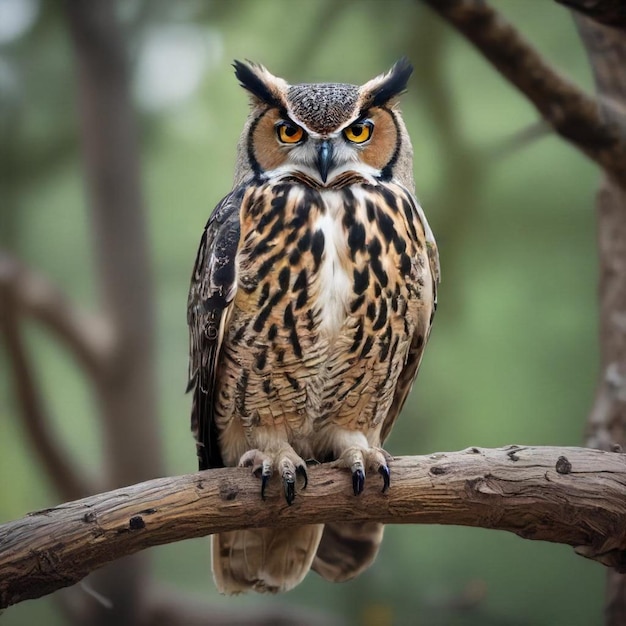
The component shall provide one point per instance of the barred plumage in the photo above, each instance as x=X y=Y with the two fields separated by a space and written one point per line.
x=311 y=302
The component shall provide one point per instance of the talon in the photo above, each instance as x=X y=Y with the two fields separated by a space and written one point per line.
x=290 y=489
x=301 y=471
x=285 y=462
x=264 y=480
x=266 y=472
x=383 y=470
x=358 y=481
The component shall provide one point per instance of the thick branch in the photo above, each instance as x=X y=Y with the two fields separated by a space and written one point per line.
x=572 y=113
x=574 y=496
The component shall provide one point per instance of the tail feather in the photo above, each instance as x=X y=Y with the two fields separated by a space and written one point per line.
x=347 y=549
x=263 y=559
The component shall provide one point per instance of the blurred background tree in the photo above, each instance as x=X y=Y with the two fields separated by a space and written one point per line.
x=512 y=359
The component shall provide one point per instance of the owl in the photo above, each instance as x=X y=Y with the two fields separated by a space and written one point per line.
x=311 y=301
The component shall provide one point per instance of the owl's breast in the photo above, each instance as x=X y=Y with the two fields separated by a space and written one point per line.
x=330 y=288
x=333 y=283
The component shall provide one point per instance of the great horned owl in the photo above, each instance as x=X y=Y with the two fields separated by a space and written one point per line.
x=311 y=301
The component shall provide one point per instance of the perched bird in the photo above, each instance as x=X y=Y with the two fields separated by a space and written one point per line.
x=311 y=301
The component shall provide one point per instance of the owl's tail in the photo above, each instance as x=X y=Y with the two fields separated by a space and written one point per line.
x=263 y=559
x=347 y=549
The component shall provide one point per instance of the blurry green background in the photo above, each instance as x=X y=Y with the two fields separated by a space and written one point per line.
x=513 y=354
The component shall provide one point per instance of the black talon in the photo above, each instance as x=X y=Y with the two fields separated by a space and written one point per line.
x=384 y=472
x=265 y=478
x=301 y=471
x=290 y=489
x=358 y=481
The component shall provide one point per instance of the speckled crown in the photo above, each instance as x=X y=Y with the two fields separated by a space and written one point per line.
x=323 y=106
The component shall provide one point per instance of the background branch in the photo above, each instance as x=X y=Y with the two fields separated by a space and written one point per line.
x=572 y=113
x=608 y=12
x=67 y=479
x=575 y=496
x=63 y=471
x=85 y=335
x=127 y=397
x=110 y=150
x=165 y=607
x=606 y=48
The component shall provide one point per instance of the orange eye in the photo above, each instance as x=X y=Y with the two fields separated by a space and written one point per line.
x=359 y=132
x=289 y=133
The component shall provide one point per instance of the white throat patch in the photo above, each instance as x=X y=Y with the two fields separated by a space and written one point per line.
x=335 y=284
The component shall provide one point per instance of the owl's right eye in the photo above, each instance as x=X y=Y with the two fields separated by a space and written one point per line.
x=289 y=133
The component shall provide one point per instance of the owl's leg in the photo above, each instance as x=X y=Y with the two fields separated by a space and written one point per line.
x=284 y=460
x=359 y=457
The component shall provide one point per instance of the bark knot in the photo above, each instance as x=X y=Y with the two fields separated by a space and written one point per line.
x=563 y=466
x=136 y=523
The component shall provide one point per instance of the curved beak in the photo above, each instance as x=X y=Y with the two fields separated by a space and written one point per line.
x=324 y=158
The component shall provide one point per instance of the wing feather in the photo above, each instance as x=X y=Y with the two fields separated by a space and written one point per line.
x=419 y=340
x=213 y=288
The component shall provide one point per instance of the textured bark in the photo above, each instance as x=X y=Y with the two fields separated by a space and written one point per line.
x=607 y=421
x=575 y=496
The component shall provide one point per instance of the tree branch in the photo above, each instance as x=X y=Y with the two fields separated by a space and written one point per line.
x=608 y=12
x=606 y=48
x=572 y=113
x=575 y=496
x=120 y=242
x=59 y=467
x=87 y=336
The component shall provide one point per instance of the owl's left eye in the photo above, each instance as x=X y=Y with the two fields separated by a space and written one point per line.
x=359 y=132
x=289 y=133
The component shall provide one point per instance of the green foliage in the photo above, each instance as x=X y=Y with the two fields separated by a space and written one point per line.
x=513 y=354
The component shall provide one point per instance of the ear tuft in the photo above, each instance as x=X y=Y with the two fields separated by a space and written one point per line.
x=383 y=88
x=261 y=84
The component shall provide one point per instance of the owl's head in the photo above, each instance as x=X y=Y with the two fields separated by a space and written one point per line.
x=325 y=130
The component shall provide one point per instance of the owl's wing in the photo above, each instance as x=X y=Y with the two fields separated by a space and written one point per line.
x=213 y=288
x=420 y=336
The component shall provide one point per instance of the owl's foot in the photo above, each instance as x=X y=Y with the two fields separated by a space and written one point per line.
x=285 y=461
x=358 y=459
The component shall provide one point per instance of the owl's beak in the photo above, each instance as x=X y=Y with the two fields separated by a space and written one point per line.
x=324 y=158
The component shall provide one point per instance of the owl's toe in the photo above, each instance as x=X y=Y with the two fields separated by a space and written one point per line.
x=286 y=462
x=301 y=471
x=358 y=481
x=266 y=474
x=289 y=486
x=292 y=466
x=357 y=459
x=383 y=470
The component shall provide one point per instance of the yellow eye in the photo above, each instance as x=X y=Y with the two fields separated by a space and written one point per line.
x=359 y=132
x=289 y=133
